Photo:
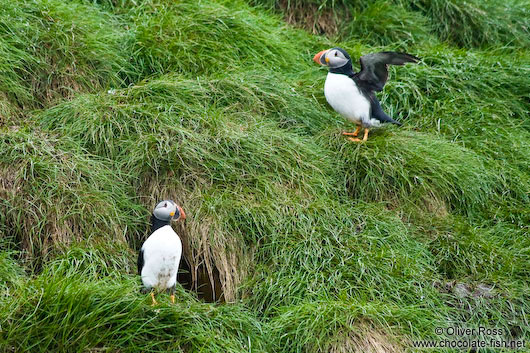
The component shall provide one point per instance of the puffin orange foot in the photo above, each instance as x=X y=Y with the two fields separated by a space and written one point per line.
x=153 y=299
x=355 y=133
x=172 y=297
x=355 y=139
x=366 y=131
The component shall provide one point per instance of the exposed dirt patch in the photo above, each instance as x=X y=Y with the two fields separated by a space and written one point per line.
x=467 y=290
x=365 y=339
x=435 y=206
x=311 y=18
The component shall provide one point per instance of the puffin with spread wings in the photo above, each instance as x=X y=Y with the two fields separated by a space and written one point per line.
x=351 y=94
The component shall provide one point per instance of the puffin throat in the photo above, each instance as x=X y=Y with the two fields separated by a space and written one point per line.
x=346 y=69
x=157 y=223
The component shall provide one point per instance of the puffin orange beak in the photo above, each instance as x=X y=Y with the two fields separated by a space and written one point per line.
x=318 y=58
x=182 y=214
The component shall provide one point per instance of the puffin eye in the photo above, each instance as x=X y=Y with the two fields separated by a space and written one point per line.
x=165 y=204
x=335 y=53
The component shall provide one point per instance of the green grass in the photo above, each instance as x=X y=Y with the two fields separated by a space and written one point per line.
x=54 y=193
x=192 y=39
x=108 y=313
x=52 y=49
x=475 y=23
x=478 y=23
x=318 y=244
x=416 y=167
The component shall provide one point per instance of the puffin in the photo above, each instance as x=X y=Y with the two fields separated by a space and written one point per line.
x=352 y=94
x=159 y=257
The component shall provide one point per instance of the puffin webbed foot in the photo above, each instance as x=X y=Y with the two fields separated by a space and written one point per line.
x=153 y=299
x=355 y=133
x=366 y=131
x=172 y=297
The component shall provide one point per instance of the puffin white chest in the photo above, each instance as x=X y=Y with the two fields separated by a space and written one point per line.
x=345 y=97
x=162 y=252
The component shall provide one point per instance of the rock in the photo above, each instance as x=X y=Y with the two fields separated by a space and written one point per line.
x=461 y=290
x=483 y=291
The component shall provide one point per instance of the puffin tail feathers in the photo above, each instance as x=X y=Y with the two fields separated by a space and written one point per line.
x=396 y=122
x=378 y=113
x=387 y=119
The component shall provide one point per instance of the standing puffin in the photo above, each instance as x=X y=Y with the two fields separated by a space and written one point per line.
x=351 y=94
x=159 y=258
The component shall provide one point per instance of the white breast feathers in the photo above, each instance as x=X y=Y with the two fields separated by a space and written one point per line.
x=162 y=252
x=343 y=95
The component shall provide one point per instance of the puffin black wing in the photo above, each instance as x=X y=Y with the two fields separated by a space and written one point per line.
x=374 y=68
x=140 y=262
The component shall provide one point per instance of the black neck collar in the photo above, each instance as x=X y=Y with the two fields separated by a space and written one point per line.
x=156 y=223
x=343 y=70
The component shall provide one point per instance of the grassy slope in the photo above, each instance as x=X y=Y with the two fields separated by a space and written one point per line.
x=320 y=244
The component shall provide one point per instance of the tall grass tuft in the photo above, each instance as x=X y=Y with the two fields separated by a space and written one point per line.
x=194 y=38
x=463 y=23
x=52 y=49
x=86 y=314
x=478 y=23
x=53 y=193
x=412 y=167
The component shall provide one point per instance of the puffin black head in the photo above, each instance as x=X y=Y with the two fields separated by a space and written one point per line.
x=164 y=212
x=337 y=59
